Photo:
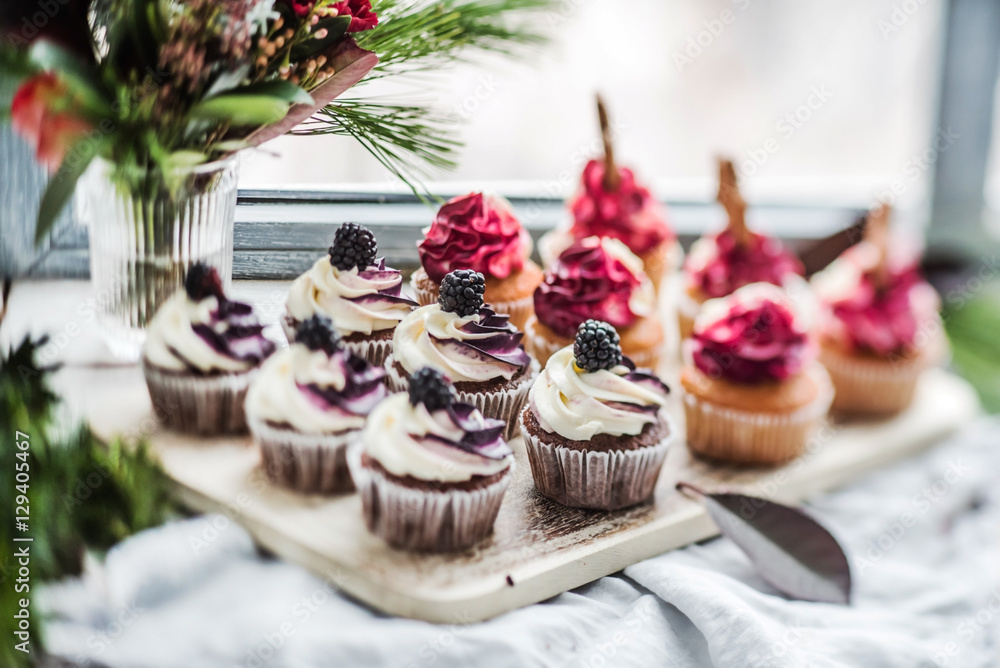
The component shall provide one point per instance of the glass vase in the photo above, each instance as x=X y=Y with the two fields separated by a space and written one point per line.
x=145 y=232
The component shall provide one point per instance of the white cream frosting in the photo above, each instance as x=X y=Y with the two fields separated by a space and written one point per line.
x=414 y=347
x=172 y=330
x=275 y=396
x=327 y=290
x=394 y=437
x=575 y=404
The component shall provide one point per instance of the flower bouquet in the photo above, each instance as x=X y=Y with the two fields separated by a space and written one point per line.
x=146 y=103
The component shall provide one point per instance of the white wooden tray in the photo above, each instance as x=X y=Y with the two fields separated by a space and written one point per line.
x=539 y=548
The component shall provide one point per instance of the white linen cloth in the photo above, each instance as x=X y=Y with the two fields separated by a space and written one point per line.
x=922 y=537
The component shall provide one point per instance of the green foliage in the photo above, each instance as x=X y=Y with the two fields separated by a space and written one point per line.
x=972 y=327
x=83 y=496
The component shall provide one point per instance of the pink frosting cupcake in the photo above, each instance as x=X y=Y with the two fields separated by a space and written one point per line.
x=879 y=329
x=721 y=263
x=754 y=392
x=480 y=232
x=596 y=278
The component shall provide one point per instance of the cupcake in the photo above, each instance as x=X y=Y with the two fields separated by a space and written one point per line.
x=611 y=203
x=356 y=290
x=879 y=326
x=719 y=264
x=475 y=347
x=595 y=427
x=481 y=233
x=307 y=404
x=431 y=470
x=596 y=278
x=753 y=390
x=202 y=350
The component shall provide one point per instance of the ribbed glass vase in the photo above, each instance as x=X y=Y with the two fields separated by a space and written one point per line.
x=145 y=232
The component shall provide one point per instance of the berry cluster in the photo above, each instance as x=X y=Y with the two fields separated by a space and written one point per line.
x=597 y=346
x=429 y=387
x=318 y=333
x=353 y=246
x=462 y=292
x=203 y=281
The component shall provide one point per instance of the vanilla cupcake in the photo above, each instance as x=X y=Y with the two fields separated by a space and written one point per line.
x=480 y=232
x=879 y=331
x=431 y=471
x=596 y=278
x=595 y=428
x=474 y=347
x=753 y=390
x=356 y=290
x=308 y=403
x=201 y=352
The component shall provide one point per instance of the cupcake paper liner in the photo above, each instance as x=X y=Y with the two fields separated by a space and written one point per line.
x=503 y=404
x=596 y=480
x=749 y=437
x=519 y=310
x=872 y=386
x=307 y=463
x=203 y=405
x=425 y=520
x=375 y=351
x=542 y=348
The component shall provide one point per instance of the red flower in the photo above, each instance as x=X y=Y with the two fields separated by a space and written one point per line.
x=360 y=11
x=36 y=114
x=302 y=7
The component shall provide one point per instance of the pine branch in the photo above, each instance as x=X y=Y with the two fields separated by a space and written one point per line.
x=409 y=140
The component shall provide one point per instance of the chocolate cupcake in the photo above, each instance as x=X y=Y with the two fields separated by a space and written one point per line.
x=753 y=390
x=431 y=471
x=307 y=404
x=480 y=232
x=880 y=327
x=356 y=290
x=202 y=350
x=595 y=427
x=475 y=347
x=719 y=264
x=596 y=278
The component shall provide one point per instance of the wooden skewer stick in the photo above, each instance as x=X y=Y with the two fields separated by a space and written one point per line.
x=612 y=179
x=877 y=234
x=732 y=201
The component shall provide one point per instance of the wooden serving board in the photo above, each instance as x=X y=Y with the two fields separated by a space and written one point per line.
x=538 y=549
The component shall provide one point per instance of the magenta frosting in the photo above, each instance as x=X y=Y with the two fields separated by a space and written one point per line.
x=751 y=345
x=380 y=272
x=762 y=259
x=483 y=438
x=881 y=321
x=586 y=282
x=630 y=213
x=241 y=336
x=477 y=232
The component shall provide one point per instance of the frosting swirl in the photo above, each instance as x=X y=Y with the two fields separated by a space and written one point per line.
x=753 y=336
x=630 y=214
x=579 y=405
x=205 y=336
x=358 y=301
x=594 y=278
x=473 y=348
x=883 y=320
x=717 y=265
x=314 y=392
x=478 y=232
x=447 y=445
